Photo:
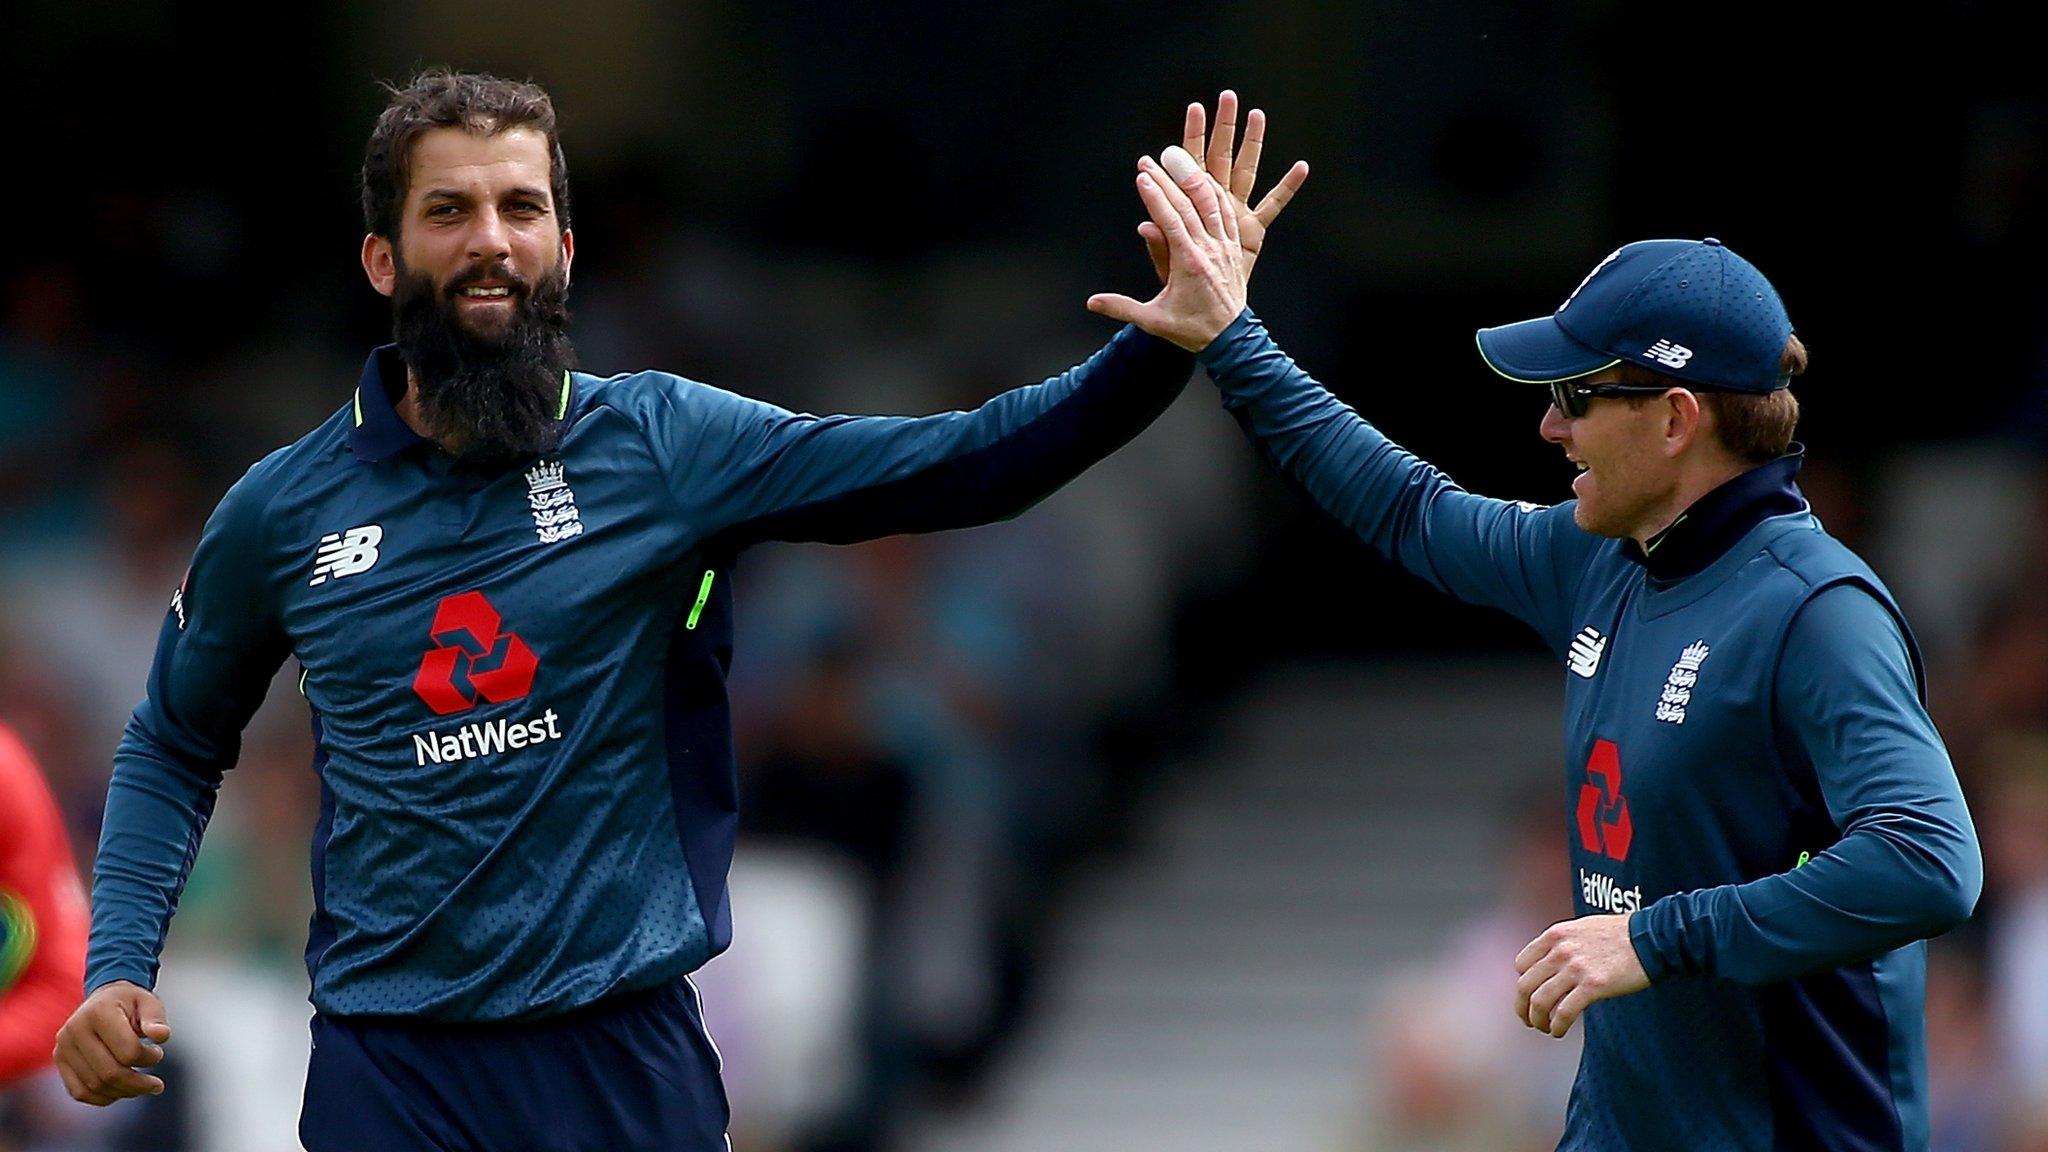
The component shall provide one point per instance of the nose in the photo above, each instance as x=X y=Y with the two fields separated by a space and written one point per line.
x=1556 y=427
x=489 y=237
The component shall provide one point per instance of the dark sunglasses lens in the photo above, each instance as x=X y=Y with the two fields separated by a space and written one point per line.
x=1568 y=399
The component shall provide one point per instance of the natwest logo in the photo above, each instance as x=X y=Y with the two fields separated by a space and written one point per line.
x=1604 y=824
x=473 y=660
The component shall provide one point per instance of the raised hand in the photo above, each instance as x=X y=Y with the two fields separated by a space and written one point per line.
x=1238 y=175
x=1204 y=266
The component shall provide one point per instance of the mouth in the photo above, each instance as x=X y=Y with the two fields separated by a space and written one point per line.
x=485 y=293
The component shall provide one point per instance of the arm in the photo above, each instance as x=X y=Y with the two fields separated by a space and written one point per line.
x=219 y=646
x=1517 y=557
x=839 y=479
x=42 y=916
x=1907 y=865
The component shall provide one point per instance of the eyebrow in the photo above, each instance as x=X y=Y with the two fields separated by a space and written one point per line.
x=439 y=195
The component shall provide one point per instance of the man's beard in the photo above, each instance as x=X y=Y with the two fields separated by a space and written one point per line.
x=489 y=398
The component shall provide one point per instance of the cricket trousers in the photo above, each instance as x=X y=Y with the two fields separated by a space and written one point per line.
x=631 y=1073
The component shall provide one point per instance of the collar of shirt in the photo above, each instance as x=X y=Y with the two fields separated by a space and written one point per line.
x=379 y=432
x=1717 y=520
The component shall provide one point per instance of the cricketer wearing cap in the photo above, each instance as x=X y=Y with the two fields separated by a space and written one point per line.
x=505 y=582
x=1763 y=821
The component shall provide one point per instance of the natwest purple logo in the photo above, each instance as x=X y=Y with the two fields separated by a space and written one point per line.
x=473 y=659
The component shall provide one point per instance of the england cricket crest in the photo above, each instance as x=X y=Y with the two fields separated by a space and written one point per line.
x=554 y=503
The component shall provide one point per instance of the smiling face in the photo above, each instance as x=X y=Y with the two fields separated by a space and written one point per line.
x=1629 y=452
x=478 y=225
x=478 y=273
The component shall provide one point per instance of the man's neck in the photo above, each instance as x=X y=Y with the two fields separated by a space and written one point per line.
x=1693 y=484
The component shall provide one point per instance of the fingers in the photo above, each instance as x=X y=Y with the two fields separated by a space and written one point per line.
x=1224 y=138
x=1155 y=247
x=94 y=1075
x=1200 y=189
x=1116 y=307
x=1168 y=216
x=99 y=1048
x=1245 y=172
x=1570 y=1009
x=1182 y=208
x=1276 y=200
x=1546 y=998
x=1194 y=128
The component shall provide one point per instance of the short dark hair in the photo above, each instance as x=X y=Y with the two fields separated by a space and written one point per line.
x=480 y=105
x=1755 y=427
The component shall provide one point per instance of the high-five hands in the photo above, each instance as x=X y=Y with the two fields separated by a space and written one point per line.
x=1238 y=174
x=1205 y=279
x=1203 y=235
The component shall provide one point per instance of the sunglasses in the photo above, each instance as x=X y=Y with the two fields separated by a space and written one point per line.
x=1570 y=396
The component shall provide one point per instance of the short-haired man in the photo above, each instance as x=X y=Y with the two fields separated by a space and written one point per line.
x=505 y=583
x=1763 y=821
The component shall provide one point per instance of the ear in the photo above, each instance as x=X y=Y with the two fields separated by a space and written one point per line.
x=568 y=251
x=1684 y=421
x=380 y=264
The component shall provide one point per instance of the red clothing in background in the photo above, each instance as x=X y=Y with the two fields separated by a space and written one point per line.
x=43 y=916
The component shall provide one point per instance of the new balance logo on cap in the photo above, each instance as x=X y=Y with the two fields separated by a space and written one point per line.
x=346 y=553
x=1668 y=354
x=1587 y=648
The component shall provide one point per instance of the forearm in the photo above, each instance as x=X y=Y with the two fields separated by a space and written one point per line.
x=1517 y=557
x=156 y=812
x=960 y=469
x=1875 y=890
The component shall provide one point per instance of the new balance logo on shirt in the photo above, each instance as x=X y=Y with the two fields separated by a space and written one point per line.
x=1587 y=648
x=346 y=553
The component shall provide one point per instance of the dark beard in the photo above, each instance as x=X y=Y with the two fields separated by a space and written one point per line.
x=490 y=399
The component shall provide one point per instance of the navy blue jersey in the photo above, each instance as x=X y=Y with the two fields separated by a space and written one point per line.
x=1750 y=774
x=517 y=678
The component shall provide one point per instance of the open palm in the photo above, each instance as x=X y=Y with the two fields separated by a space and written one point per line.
x=1238 y=174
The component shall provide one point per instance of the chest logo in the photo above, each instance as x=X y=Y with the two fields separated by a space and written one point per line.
x=1685 y=676
x=473 y=658
x=1604 y=823
x=346 y=553
x=1587 y=648
x=554 y=503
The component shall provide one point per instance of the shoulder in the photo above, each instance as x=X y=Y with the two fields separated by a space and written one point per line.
x=650 y=394
x=284 y=468
x=1799 y=545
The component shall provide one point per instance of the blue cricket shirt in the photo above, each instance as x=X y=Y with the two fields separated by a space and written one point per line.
x=517 y=679
x=1750 y=773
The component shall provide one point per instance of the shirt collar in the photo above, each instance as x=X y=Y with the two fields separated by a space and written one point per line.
x=378 y=432
x=1718 y=519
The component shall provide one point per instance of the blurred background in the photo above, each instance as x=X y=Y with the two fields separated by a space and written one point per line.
x=1164 y=816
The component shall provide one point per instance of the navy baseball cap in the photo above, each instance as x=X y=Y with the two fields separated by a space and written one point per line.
x=1690 y=309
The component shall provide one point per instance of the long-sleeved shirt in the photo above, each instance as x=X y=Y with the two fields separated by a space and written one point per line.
x=517 y=679
x=1750 y=774
x=42 y=915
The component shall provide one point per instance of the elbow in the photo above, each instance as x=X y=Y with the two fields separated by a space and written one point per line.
x=1952 y=890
